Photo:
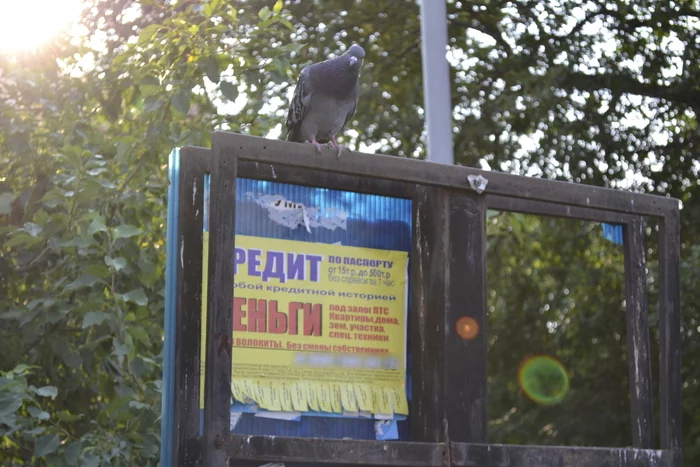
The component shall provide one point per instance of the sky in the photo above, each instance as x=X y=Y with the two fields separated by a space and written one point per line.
x=27 y=25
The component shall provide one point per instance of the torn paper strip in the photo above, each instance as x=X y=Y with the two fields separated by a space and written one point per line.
x=478 y=183
x=292 y=215
x=235 y=418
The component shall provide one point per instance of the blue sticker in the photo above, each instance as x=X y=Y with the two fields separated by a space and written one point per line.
x=386 y=430
x=613 y=232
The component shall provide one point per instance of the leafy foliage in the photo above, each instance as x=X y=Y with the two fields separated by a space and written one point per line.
x=83 y=150
x=567 y=302
x=601 y=91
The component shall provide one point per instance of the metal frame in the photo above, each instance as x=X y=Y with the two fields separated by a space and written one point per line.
x=448 y=410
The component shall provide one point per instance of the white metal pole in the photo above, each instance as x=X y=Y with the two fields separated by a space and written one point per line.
x=436 y=81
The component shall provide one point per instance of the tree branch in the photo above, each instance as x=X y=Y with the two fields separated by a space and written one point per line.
x=618 y=83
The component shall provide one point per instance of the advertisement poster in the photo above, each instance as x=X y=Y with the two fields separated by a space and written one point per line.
x=318 y=328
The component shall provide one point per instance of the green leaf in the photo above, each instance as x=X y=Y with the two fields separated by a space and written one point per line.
x=278 y=6
x=268 y=22
x=147 y=34
x=233 y=14
x=86 y=280
x=150 y=81
x=281 y=65
x=211 y=68
x=54 y=317
x=106 y=184
x=122 y=149
x=66 y=416
x=97 y=225
x=126 y=231
x=91 y=460
x=22 y=368
x=10 y=403
x=121 y=58
x=180 y=102
x=79 y=242
x=264 y=13
x=229 y=90
x=137 y=296
x=138 y=405
x=6 y=200
x=47 y=391
x=148 y=274
x=287 y=24
x=21 y=239
x=36 y=431
x=93 y=318
x=119 y=403
x=89 y=191
x=46 y=445
x=208 y=10
x=38 y=413
x=97 y=160
x=153 y=104
x=33 y=229
x=211 y=7
x=137 y=367
x=287 y=49
x=125 y=349
x=116 y=263
x=72 y=453
x=72 y=358
x=140 y=334
x=96 y=172
x=98 y=270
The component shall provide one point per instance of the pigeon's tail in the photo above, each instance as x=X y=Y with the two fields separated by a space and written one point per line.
x=293 y=134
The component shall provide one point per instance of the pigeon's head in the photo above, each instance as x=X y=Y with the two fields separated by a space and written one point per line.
x=355 y=55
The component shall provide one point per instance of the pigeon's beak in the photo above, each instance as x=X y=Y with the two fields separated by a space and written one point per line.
x=355 y=63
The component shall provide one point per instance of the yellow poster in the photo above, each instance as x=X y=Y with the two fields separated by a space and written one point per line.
x=318 y=327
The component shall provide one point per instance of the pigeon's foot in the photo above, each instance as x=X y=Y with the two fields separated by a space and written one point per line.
x=317 y=144
x=337 y=146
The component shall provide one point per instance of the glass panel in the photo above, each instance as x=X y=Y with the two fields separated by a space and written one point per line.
x=320 y=311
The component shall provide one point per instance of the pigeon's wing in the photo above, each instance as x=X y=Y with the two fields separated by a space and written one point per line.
x=348 y=117
x=299 y=105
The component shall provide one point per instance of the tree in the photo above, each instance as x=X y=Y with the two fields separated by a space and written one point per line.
x=85 y=134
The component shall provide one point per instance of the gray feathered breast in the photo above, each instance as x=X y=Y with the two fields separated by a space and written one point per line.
x=325 y=97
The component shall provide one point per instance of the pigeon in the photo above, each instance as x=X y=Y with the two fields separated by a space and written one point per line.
x=325 y=99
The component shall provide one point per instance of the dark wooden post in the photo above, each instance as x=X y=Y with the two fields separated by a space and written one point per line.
x=193 y=167
x=638 y=355
x=465 y=373
x=430 y=263
x=670 y=332
x=449 y=283
x=217 y=384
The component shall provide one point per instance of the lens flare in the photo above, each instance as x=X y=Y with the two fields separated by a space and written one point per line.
x=467 y=327
x=543 y=379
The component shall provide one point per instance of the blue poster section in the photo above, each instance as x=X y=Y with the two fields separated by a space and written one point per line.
x=320 y=215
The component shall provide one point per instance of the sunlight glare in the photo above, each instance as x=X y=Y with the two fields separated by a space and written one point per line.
x=28 y=25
